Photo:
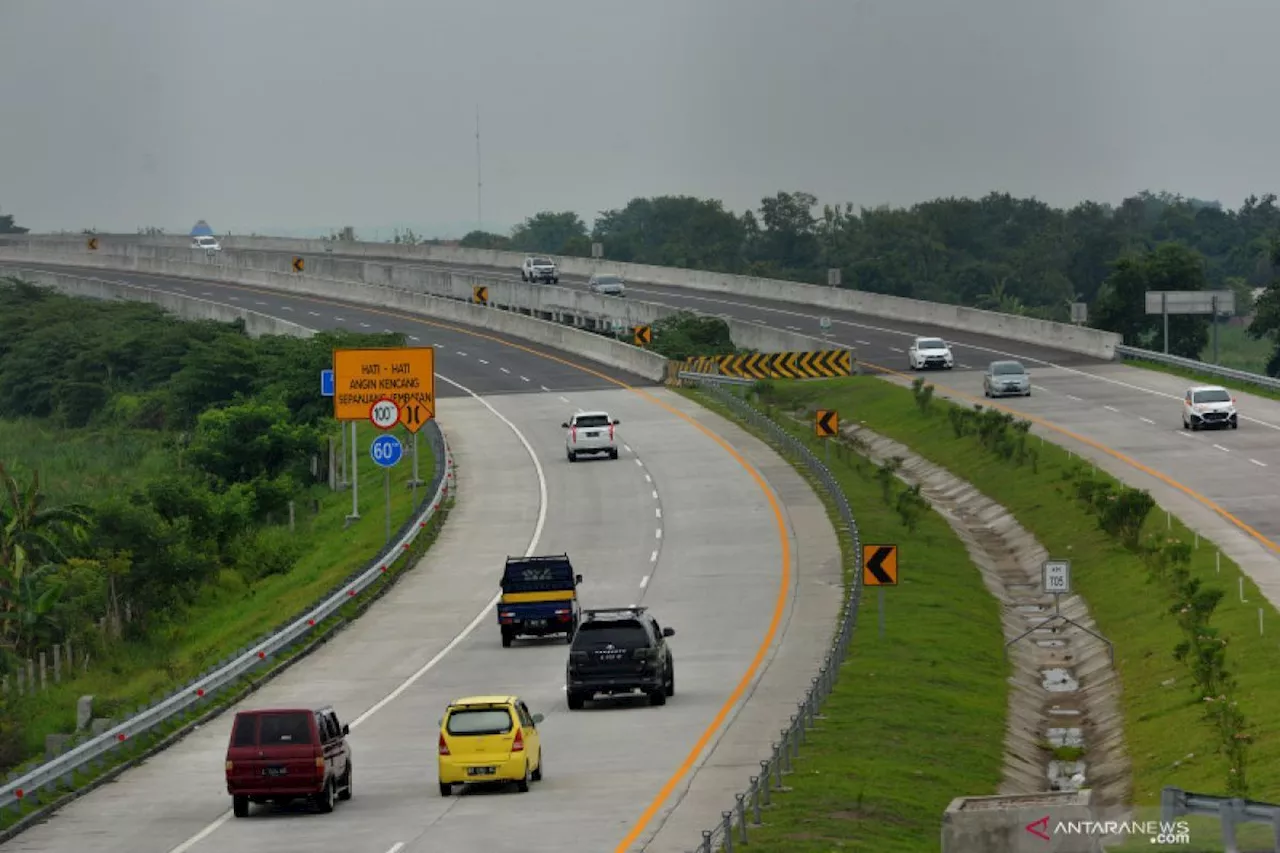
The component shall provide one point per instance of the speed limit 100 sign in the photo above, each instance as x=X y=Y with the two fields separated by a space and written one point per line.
x=384 y=414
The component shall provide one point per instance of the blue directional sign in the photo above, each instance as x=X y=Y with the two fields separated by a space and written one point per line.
x=326 y=383
x=386 y=450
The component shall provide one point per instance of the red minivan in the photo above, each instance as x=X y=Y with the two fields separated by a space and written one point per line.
x=282 y=754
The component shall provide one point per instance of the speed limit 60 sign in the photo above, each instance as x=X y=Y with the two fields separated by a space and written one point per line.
x=384 y=414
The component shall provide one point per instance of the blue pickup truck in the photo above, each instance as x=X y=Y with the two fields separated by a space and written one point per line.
x=539 y=598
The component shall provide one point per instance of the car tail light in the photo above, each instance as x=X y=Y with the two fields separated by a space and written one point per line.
x=517 y=745
x=231 y=765
x=573 y=433
x=611 y=432
x=320 y=765
x=443 y=747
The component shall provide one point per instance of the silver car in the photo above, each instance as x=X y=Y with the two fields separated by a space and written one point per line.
x=609 y=285
x=1006 y=378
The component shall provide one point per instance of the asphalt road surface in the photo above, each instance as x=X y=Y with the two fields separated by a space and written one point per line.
x=1127 y=418
x=637 y=528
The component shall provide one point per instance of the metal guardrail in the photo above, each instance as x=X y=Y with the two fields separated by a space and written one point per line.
x=735 y=824
x=1230 y=811
x=1258 y=379
x=715 y=377
x=93 y=754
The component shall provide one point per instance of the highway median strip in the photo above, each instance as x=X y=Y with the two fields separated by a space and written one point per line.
x=915 y=716
x=1197 y=671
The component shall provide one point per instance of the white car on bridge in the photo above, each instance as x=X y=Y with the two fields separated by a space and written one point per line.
x=930 y=352
x=539 y=268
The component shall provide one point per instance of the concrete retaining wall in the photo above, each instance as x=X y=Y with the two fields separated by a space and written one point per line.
x=186 y=307
x=592 y=346
x=546 y=301
x=1064 y=336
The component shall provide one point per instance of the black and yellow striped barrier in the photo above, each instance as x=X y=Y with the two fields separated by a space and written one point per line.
x=820 y=364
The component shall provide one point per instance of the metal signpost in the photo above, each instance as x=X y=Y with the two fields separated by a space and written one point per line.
x=386 y=451
x=825 y=323
x=1215 y=303
x=833 y=277
x=1079 y=313
x=880 y=569
x=1055 y=580
x=364 y=377
x=597 y=250
x=326 y=390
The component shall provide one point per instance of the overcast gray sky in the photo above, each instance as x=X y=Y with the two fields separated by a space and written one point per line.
x=297 y=114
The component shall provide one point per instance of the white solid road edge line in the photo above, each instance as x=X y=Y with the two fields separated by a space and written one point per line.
x=456 y=641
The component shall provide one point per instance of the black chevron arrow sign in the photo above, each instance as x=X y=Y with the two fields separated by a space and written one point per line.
x=880 y=565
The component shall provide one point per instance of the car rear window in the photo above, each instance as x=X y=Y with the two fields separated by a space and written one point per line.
x=542 y=262
x=623 y=634
x=479 y=721
x=246 y=731
x=288 y=729
x=608 y=279
x=543 y=576
x=589 y=421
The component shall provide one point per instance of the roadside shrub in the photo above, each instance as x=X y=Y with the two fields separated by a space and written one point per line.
x=265 y=552
x=923 y=395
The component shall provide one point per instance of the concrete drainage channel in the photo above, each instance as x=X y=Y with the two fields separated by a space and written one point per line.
x=1064 y=730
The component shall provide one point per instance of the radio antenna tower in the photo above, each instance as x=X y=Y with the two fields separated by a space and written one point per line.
x=479 y=184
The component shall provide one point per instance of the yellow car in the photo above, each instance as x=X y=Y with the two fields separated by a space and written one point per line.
x=486 y=739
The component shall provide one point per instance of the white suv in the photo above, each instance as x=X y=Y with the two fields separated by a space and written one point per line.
x=590 y=432
x=1209 y=406
x=539 y=269
x=930 y=352
x=208 y=244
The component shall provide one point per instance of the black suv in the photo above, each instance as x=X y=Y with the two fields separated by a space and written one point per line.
x=619 y=650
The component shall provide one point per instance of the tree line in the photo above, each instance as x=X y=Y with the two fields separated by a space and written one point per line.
x=998 y=252
x=240 y=425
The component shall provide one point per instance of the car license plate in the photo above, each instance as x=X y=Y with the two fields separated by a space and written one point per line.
x=592 y=434
x=481 y=771
x=275 y=771
x=537 y=623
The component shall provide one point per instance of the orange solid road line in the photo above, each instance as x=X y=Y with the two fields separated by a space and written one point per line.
x=1128 y=460
x=780 y=602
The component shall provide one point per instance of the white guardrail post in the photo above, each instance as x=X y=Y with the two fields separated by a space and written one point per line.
x=59 y=771
x=1136 y=354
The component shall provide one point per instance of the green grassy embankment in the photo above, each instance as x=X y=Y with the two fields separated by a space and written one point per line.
x=918 y=716
x=1165 y=720
x=230 y=612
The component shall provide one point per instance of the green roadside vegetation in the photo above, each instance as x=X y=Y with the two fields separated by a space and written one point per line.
x=1199 y=681
x=164 y=499
x=918 y=716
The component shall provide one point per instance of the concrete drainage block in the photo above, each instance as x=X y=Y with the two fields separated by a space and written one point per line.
x=1058 y=680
